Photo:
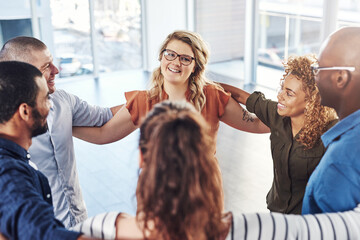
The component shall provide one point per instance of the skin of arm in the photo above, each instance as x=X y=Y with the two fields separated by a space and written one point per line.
x=238 y=94
x=115 y=109
x=237 y=117
x=117 y=128
x=127 y=227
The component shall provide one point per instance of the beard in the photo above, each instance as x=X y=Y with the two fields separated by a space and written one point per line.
x=38 y=127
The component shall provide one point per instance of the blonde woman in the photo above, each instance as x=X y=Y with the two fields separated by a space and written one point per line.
x=296 y=123
x=181 y=76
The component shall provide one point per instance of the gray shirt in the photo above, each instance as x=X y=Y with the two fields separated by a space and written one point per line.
x=53 y=152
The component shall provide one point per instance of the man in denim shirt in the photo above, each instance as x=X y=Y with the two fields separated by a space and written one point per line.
x=26 y=210
x=53 y=151
x=334 y=186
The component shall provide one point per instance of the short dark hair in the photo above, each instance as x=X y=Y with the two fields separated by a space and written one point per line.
x=20 y=49
x=17 y=86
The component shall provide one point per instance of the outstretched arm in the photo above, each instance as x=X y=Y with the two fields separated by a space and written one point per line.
x=117 y=128
x=238 y=117
x=236 y=93
x=115 y=109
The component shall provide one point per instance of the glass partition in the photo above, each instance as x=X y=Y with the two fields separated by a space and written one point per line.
x=117 y=36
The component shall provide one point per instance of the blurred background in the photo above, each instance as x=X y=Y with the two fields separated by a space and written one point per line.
x=89 y=37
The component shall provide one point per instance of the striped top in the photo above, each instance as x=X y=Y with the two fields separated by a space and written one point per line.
x=327 y=226
x=101 y=226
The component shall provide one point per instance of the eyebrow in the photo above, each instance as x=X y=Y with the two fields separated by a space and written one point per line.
x=290 y=90
x=178 y=53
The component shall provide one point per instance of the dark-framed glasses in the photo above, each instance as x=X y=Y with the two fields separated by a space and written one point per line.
x=316 y=69
x=171 y=55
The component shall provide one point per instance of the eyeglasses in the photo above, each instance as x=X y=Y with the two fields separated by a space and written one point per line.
x=316 y=69
x=171 y=56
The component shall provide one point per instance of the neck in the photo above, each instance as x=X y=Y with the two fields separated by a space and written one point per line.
x=18 y=135
x=297 y=123
x=348 y=107
x=175 y=92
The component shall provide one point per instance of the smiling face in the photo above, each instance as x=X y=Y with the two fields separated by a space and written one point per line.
x=174 y=72
x=43 y=60
x=291 y=98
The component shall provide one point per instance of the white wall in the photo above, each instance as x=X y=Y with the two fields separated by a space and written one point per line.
x=160 y=18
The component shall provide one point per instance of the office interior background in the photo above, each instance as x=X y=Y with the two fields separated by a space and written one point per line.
x=106 y=47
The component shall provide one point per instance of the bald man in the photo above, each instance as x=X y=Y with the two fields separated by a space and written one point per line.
x=335 y=184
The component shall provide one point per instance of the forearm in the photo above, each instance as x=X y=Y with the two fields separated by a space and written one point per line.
x=117 y=128
x=238 y=117
x=237 y=94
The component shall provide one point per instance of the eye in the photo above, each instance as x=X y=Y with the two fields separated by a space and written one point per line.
x=170 y=54
x=289 y=94
x=186 y=59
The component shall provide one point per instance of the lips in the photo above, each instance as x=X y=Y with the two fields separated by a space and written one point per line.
x=173 y=70
x=281 y=106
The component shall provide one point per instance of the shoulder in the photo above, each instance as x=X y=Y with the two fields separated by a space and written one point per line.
x=213 y=88
x=214 y=91
x=136 y=94
x=61 y=96
x=15 y=168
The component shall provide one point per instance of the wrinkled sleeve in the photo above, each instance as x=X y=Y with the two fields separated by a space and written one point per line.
x=264 y=109
x=136 y=103
x=344 y=225
x=223 y=99
x=101 y=226
x=85 y=114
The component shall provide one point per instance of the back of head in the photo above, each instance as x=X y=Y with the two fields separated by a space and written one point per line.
x=17 y=85
x=21 y=49
x=179 y=188
x=340 y=88
x=340 y=47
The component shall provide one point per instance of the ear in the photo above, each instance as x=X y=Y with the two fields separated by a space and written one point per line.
x=342 y=79
x=24 y=111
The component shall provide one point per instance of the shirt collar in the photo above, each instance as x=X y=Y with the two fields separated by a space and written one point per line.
x=341 y=127
x=14 y=150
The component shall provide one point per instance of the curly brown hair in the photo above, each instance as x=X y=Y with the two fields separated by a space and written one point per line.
x=179 y=190
x=317 y=117
x=197 y=80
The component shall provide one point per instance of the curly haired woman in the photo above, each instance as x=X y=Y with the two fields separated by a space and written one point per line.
x=296 y=123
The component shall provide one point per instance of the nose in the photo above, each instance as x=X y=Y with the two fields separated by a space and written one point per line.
x=280 y=95
x=177 y=60
x=54 y=69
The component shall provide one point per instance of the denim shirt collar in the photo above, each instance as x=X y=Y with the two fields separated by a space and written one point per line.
x=341 y=127
x=14 y=150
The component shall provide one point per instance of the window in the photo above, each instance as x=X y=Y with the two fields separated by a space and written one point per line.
x=117 y=35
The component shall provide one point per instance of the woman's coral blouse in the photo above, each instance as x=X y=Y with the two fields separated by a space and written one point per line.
x=139 y=104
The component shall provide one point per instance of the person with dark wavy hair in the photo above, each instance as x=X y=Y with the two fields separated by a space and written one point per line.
x=179 y=189
x=296 y=122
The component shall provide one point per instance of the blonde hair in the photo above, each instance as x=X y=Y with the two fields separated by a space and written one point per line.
x=197 y=80
x=317 y=117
